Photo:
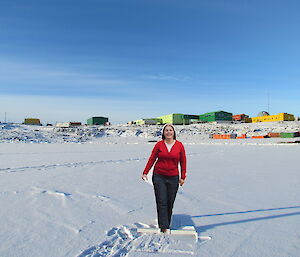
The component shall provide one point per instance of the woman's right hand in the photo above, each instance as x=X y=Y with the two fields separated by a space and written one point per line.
x=181 y=182
x=144 y=177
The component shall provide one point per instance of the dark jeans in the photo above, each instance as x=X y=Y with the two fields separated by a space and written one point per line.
x=165 y=188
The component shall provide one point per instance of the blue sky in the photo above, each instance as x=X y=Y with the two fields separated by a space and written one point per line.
x=68 y=60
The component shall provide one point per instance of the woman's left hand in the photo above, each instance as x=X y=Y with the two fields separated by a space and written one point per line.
x=181 y=181
x=144 y=177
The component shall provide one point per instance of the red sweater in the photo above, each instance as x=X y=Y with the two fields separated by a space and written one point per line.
x=167 y=162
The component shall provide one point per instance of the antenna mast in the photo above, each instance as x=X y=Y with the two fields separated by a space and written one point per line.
x=268 y=102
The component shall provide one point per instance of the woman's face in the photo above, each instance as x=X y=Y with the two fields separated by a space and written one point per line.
x=169 y=132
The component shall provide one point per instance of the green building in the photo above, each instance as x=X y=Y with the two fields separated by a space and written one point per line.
x=215 y=116
x=151 y=121
x=178 y=118
x=97 y=121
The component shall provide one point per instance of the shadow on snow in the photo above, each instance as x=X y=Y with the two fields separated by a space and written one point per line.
x=210 y=226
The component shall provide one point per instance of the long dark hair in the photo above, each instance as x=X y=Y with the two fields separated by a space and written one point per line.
x=163 y=132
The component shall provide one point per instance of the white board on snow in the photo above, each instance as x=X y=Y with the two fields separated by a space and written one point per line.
x=187 y=230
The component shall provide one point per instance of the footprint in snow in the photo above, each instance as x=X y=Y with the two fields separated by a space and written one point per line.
x=122 y=240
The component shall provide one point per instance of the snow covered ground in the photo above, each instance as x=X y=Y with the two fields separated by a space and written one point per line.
x=12 y=133
x=80 y=194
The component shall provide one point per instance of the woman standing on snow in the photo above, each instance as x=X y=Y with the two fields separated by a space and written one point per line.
x=167 y=153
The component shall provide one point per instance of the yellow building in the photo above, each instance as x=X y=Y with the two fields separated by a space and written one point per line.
x=277 y=117
x=30 y=121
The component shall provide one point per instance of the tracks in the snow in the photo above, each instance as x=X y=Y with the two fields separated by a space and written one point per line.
x=68 y=165
x=46 y=167
x=120 y=241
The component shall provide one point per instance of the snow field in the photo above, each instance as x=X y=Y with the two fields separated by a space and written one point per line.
x=88 y=199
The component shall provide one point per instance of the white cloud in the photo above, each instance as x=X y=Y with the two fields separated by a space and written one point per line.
x=165 y=77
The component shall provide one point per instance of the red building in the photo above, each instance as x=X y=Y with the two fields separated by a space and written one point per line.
x=239 y=117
